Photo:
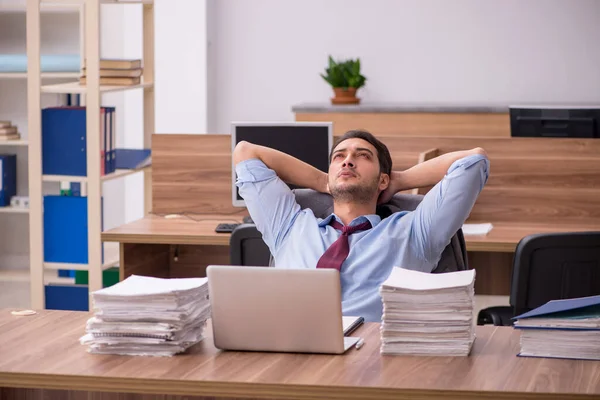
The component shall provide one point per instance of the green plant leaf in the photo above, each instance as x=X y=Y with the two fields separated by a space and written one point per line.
x=344 y=74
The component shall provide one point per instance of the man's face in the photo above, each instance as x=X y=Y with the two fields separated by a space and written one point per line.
x=354 y=172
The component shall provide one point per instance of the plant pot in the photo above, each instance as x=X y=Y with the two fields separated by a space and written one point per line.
x=345 y=96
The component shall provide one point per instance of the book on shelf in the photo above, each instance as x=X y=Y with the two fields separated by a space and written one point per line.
x=114 y=81
x=8 y=131
x=116 y=63
x=119 y=73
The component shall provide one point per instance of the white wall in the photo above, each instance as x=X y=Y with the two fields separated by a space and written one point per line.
x=269 y=53
x=181 y=66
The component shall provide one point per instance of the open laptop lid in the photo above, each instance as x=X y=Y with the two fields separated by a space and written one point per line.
x=275 y=309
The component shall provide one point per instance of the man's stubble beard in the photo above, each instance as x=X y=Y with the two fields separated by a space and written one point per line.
x=356 y=193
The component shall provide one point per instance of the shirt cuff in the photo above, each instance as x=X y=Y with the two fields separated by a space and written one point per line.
x=468 y=161
x=253 y=170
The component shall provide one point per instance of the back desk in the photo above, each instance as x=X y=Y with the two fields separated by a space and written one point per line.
x=535 y=186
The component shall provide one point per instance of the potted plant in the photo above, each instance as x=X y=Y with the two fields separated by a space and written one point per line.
x=345 y=78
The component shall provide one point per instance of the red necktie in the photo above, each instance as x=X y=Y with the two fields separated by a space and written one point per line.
x=338 y=251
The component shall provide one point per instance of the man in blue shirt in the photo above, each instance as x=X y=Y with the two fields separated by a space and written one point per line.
x=360 y=177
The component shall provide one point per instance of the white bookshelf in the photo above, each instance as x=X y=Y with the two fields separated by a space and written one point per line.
x=75 y=87
x=91 y=99
x=45 y=75
x=59 y=29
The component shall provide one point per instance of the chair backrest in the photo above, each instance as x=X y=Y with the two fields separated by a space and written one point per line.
x=246 y=247
x=554 y=266
x=454 y=256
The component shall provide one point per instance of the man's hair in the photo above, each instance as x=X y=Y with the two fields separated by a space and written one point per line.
x=383 y=154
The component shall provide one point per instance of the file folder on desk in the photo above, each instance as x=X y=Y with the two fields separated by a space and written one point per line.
x=564 y=308
x=562 y=329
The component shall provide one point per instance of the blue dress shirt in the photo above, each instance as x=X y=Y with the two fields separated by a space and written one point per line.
x=413 y=240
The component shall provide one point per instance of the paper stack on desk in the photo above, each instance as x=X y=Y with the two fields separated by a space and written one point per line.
x=148 y=316
x=428 y=314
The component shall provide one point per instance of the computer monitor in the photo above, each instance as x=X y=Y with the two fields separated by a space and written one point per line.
x=555 y=121
x=308 y=141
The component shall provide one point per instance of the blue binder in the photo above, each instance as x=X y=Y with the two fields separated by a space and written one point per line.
x=66 y=229
x=64 y=133
x=130 y=158
x=67 y=297
x=8 y=176
x=558 y=308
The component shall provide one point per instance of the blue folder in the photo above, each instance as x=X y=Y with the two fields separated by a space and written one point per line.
x=64 y=133
x=130 y=158
x=560 y=308
x=8 y=178
x=66 y=229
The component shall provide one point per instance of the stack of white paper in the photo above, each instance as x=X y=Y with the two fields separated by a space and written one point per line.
x=428 y=314
x=148 y=316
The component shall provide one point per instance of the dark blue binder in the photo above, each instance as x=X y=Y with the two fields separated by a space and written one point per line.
x=130 y=158
x=112 y=140
x=8 y=176
x=555 y=308
x=64 y=140
x=66 y=229
x=67 y=297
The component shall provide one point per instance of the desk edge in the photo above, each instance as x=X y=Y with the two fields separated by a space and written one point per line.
x=257 y=390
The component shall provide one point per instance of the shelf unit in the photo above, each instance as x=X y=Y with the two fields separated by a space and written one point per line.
x=91 y=96
x=45 y=75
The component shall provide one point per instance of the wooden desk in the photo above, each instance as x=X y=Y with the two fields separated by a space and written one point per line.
x=504 y=237
x=184 y=246
x=183 y=229
x=42 y=352
x=200 y=230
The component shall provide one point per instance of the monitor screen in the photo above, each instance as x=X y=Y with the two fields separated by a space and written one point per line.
x=555 y=121
x=308 y=141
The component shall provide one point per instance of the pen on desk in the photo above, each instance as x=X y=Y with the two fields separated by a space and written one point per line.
x=360 y=343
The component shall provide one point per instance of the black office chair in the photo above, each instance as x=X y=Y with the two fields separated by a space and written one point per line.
x=549 y=266
x=248 y=248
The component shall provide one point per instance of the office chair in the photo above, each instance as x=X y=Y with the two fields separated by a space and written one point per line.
x=549 y=266
x=247 y=247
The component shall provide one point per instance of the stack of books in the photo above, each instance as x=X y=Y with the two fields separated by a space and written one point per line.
x=148 y=316
x=428 y=314
x=561 y=329
x=8 y=131
x=117 y=72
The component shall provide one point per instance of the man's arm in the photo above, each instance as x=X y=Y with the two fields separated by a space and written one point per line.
x=288 y=168
x=447 y=205
x=427 y=173
x=261 y=172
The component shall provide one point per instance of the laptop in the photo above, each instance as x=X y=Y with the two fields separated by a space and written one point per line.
x=277 y=310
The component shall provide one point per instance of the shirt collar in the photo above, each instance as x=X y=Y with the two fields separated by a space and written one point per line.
x=374 y=219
